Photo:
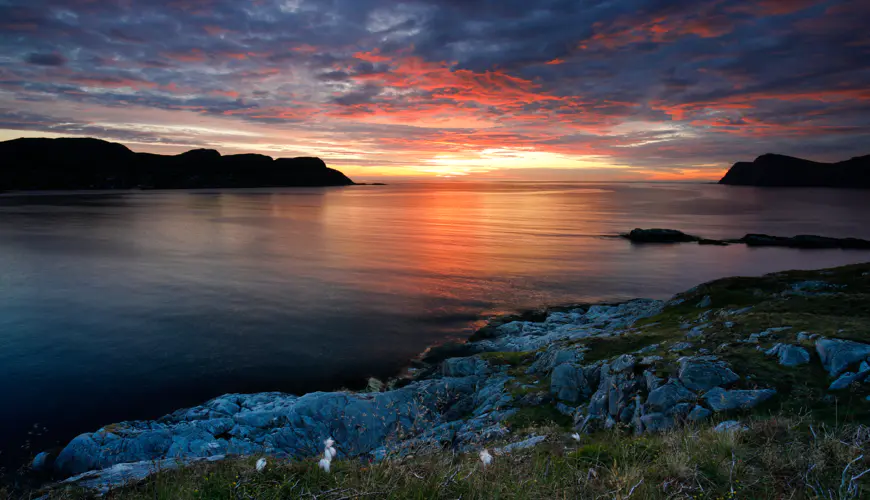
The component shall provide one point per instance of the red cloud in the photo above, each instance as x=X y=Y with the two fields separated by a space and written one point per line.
x=373 y=56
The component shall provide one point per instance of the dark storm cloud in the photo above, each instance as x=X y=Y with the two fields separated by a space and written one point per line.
x=643 y=81
x=46 y=59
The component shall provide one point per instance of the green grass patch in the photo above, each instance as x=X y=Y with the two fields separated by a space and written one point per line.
x=535 y=416
x=509 y=358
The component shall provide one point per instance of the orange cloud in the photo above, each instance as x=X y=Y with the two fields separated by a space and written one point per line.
x=373 y=56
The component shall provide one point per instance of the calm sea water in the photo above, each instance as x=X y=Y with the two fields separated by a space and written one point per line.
x=129 y=306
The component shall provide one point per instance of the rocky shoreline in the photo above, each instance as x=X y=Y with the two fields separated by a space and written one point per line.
x=716 y=353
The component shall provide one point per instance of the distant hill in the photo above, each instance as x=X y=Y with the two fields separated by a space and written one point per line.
x=73 y=163
x=787 y=171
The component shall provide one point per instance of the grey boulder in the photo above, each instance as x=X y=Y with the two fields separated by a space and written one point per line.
x=837 y=355
x=789 y=355
x=668 y=395
x=719 y=399
x=568 y=383
x=702 y=374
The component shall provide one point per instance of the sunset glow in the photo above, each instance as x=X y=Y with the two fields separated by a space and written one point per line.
x=628 y=90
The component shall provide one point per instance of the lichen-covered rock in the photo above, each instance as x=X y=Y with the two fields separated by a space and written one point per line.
x=789 y=355
x=464 y=367
x=277 y=424
x=657 y=422
x=719 y=399
x=554 y=356
x=698 y=414
x=622 y=363
x=598 y=321
x=568 y=383
x=849 y=378
x=837 y=355
x=650 y=360
x=669 y=395
x=652 y=381
x=701 y=373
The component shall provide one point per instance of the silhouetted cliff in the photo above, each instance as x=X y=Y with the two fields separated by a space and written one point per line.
x=30 y=164
x=786 y=171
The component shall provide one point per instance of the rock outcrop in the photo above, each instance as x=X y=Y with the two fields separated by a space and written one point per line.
x=657 y=235
x=806 y=241
x=70 y=163
x=772 y=170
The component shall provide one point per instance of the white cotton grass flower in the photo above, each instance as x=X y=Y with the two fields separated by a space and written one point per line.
x=576 y=436
x=485 y=457
x=328 y=454
x=261 y=464
x=328 y=451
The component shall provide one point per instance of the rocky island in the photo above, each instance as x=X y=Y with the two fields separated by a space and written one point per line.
x=803 y=241
x=84 y=163
x=772 y=170
x=757 y=383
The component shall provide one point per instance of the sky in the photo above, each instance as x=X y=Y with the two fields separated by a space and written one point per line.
x=472 y=89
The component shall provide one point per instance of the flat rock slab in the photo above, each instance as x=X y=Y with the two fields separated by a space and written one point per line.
x=719 y=399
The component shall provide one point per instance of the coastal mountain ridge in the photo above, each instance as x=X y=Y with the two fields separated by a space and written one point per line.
x=774 y=170
x=87 y=163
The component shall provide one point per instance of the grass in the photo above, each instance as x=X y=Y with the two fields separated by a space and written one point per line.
x=776 y=458
x=534 y=416
x=513 y=359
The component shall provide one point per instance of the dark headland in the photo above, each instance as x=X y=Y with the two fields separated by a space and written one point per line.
x=771 y=170
x=84 y=163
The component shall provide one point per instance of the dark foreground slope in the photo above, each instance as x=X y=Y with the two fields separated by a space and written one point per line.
x=68 y=163
x=786 y=171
